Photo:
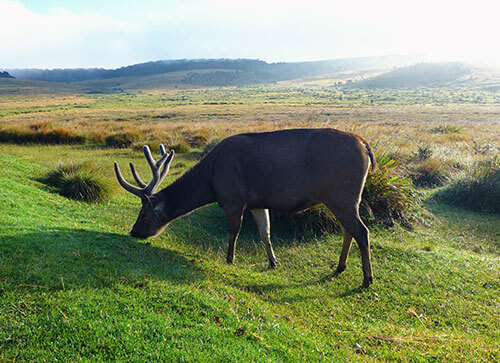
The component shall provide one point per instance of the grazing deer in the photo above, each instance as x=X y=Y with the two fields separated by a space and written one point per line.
x=288 y=170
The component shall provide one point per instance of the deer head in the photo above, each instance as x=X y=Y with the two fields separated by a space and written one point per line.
x=151 y=218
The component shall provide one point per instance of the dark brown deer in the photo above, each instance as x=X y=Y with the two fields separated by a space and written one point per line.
x=288 y=170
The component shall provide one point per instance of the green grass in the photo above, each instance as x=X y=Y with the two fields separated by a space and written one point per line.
x=75 y=286
x=478 y=189
x=78 y=181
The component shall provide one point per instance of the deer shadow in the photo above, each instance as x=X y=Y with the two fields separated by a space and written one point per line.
x=207 y=229
x=63 y=258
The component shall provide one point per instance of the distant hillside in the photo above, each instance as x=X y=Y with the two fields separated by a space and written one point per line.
x=423 y=74
x=247 y=70
x=5 y=75
x=24 y=86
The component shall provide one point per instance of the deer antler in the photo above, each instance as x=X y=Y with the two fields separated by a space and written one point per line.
x=149 y=189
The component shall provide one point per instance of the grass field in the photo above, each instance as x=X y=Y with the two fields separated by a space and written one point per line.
x=75 y=286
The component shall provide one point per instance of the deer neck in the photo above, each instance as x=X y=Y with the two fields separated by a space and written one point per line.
x=191 y=191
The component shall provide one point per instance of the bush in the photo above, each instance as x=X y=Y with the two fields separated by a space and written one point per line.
x=478 y=190
x=122 y=140
x=79 y=182
x=430 y=173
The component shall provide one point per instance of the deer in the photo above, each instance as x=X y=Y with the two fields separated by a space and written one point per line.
x=285 y=170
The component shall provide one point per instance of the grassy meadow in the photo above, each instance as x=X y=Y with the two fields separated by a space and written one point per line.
x=75 y=286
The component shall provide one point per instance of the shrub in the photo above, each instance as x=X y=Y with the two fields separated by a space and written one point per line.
x=79 y=182
x=430 y=173
x=122 y=140
x=478 y=190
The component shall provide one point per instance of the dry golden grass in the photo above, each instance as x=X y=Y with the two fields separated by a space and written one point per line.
x=399 y=129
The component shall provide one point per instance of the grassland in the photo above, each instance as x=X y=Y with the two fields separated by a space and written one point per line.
x=75 y=286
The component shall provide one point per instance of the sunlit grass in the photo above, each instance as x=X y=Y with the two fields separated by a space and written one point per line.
x=75 y=285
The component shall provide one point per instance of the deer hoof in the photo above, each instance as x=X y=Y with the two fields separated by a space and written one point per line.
x=367 y=282
x=339 y=270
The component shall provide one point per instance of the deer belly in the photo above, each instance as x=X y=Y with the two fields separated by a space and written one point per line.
x=279 y=201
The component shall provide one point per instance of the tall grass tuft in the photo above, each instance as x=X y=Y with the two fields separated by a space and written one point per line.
x=54 y=136
x=478 y=190
x=182 y=146
x=388 y=197
x=78 y=181
x=430 y=173
x=424 y=152
x=446 y=129
x=123 y=140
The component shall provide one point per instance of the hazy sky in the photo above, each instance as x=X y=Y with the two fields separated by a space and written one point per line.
x=112 y=33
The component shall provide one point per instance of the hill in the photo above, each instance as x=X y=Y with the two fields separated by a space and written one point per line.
x=423 y=74
x=249 y=69
x=24 y=86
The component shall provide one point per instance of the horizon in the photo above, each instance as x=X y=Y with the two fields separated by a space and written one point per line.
x=57 y=34
x=416 y=60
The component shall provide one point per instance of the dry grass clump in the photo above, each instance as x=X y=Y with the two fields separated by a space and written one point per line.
x=446 y=129
x=197 y=138
x=423 y=152
x=123 y=140
x=182 y=146
x=430 y=173
x=78 y=181
x=478 y=189
x=55 y=136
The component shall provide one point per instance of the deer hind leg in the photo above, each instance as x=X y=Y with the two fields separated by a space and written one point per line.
x=261 y=217
x=346 y=246
x=355 y=227
x=234 y=217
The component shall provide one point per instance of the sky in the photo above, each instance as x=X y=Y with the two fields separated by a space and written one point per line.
x=114 y=33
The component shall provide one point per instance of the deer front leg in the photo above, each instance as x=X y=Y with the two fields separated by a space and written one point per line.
x=234 y=217
x=263 y=222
